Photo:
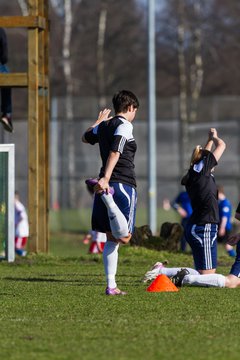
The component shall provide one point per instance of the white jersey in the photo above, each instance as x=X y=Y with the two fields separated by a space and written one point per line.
x=21 y=220
x=98 y=236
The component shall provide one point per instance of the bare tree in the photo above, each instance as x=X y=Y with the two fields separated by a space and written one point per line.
x=23 y=6
x=196 y=73
x=189 y=94
x=67 y=69
x=100 y=55
x=183 y=93
x=63 y=9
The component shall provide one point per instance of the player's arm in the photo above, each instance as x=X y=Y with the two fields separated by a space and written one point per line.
x=103 y=183
x=220 y=145
x=182 y=212
x=176 y=206
x=209 y=144
x=222 y=226
x=102 y=116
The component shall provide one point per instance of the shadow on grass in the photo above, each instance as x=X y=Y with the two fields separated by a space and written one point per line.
x=78 y=282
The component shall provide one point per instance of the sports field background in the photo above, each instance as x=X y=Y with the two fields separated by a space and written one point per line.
x=54 y=307
x=79 y=220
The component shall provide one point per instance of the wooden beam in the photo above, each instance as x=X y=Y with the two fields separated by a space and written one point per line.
x=20 y=80
x=14 y=80
x=35 y=22
x=37 y=82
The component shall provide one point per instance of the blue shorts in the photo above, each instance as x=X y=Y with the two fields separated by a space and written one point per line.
x=235 y=270
x=125 y=197
x=203 y=242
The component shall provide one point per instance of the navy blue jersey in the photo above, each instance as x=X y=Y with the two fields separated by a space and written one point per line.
x=202 y=190
x=184 y=201
x=225 y=210
x=116 y=135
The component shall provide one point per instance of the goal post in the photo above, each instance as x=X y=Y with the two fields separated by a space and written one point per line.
x=7 y=212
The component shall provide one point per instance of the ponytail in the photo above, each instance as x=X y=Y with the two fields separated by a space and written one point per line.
x=196 y=155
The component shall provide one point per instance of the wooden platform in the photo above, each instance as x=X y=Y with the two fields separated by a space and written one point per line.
x=36 y=80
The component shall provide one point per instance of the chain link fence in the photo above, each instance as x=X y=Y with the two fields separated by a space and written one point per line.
x=71 y=161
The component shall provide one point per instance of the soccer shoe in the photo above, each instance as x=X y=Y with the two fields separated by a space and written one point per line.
x=114 y=291
x=154 y=272
x=92 y=182
x=178 y=278
x=7 y=123
x=21 y=252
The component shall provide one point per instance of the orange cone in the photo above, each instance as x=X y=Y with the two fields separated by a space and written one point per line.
x=162 y=283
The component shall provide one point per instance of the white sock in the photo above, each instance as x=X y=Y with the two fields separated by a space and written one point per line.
x=110 y=260
x=214 y=280
x=173 y=271
x=118 y=222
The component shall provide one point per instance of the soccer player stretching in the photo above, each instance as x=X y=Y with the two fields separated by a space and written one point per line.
x=202 y=227
x=115 y=197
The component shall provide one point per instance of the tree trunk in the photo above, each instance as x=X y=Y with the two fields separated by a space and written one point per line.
x=69 y=148
x=23 y=7
x=100 y=56
x=183 y=111
x=197 y=68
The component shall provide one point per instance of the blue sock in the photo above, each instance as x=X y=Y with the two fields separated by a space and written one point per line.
x=232 y=252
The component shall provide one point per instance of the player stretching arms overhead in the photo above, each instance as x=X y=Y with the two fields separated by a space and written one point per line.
x=202 y=227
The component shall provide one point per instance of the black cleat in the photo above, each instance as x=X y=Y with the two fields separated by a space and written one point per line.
x=178 y=278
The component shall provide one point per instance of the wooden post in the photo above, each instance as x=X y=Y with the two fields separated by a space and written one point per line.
x=47 y=117
x=41 y=143
x=33 y=124
x=36 y=79
x=43 y=138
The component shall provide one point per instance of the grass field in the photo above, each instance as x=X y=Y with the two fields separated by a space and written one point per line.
x=54 y=307
x=78 y=220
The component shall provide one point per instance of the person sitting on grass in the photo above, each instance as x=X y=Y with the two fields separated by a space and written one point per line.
x=190 y=277
x=232 y=280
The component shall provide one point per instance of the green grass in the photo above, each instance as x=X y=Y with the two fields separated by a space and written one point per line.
x=79 y=220
x=54 y=307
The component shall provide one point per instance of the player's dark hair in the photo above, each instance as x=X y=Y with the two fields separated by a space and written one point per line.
x=123 y=99
x=220 y=188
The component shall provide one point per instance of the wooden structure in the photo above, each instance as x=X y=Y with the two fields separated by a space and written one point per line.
x=36 y=80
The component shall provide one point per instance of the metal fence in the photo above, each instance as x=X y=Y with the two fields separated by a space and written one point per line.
x=72 y=161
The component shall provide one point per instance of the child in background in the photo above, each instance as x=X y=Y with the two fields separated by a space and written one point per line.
x=21 y=227
x=98 y=241
x=225 y=226
x=182 y=204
